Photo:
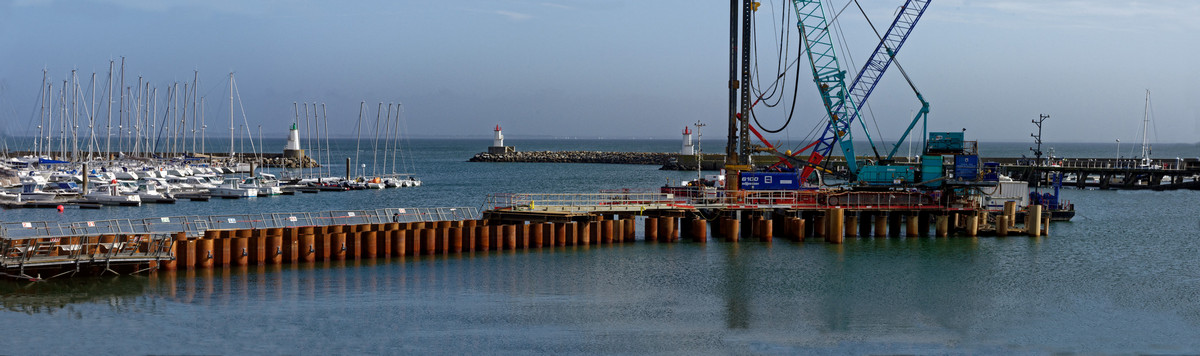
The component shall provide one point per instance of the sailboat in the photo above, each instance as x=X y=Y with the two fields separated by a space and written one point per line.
x=1146 y=162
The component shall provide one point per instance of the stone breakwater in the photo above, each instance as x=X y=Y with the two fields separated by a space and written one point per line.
x=576 y=157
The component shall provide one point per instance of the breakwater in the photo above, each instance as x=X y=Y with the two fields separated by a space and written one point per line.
x=660 y=158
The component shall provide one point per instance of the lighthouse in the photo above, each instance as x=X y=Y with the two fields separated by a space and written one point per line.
x=687 y=149
x=292 y=148
x=498 y=146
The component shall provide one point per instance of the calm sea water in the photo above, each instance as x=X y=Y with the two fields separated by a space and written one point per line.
x=1122 y=277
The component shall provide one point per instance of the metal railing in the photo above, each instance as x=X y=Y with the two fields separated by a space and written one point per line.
x=1108 y=163
x=620 y=201
x=196 y=225
x=106 y=249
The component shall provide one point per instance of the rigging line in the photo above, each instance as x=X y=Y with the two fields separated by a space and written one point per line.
x=781 y=63
x=754 y=47
x=780 y=60
x=868 y=18
x=1153 y=122
x=242 y=108
x=839 y=13
x=895 y=61
x=791 y=113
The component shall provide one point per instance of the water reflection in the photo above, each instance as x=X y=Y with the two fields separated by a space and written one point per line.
x=735 y=289
x=121 y=293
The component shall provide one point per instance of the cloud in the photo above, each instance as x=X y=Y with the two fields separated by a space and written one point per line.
x=515 y=16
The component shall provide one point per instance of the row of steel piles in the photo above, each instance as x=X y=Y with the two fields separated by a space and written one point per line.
x=835 y=224
x=248 y=247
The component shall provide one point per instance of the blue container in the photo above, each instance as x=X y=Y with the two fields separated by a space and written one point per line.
x=769 y=181
x=990 y=172
x=966 y=167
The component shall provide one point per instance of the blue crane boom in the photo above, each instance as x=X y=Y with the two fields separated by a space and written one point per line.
x=838 y=128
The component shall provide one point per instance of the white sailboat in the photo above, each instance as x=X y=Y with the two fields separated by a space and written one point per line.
x=1146 y=162
x=232 y=188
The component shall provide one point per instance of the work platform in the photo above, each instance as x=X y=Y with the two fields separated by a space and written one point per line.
x=642 y=201
x=795 y=215
x=40 y=250
x=134 y=245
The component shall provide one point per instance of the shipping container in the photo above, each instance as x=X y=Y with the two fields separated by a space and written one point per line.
x=990 y=172
x=769 y=181
x=887 y=175
x=931 y=169
x=944 y=142
x=966 y=167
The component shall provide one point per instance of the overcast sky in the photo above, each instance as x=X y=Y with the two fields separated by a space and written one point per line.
x=614 y=68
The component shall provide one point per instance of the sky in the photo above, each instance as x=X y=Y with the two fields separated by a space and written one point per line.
x=613 y=68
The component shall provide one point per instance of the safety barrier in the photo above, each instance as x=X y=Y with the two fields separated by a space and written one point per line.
x=619 y=201
x=194 y=226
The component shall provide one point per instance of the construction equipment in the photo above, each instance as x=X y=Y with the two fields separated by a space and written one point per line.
x=830 y=81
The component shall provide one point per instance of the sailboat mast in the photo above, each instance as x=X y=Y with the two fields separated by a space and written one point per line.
x=62 y=117
x=136 y=134
x=37 y=140
x=375 y=146
x=74 y=126
x=50 y=109
x=396 y=140
x=203 y=126
x=108 y=126
x=176 y=118
x=307 y=132
x=150 y=110
x=317 y=137
x=328 y=151
x=195 y=107
x=1145 y=125
x=387 y=125
x=358 y=141
x=231 y=115
x=92 y=121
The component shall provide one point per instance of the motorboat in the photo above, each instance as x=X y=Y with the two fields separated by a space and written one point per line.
x=110 y=195
x=233 y=190
x=148 y=191
x=264 y=188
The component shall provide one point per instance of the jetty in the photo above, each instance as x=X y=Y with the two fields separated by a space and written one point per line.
x=650 y=158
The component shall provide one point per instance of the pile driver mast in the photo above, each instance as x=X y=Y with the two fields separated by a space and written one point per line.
x=737 y=149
